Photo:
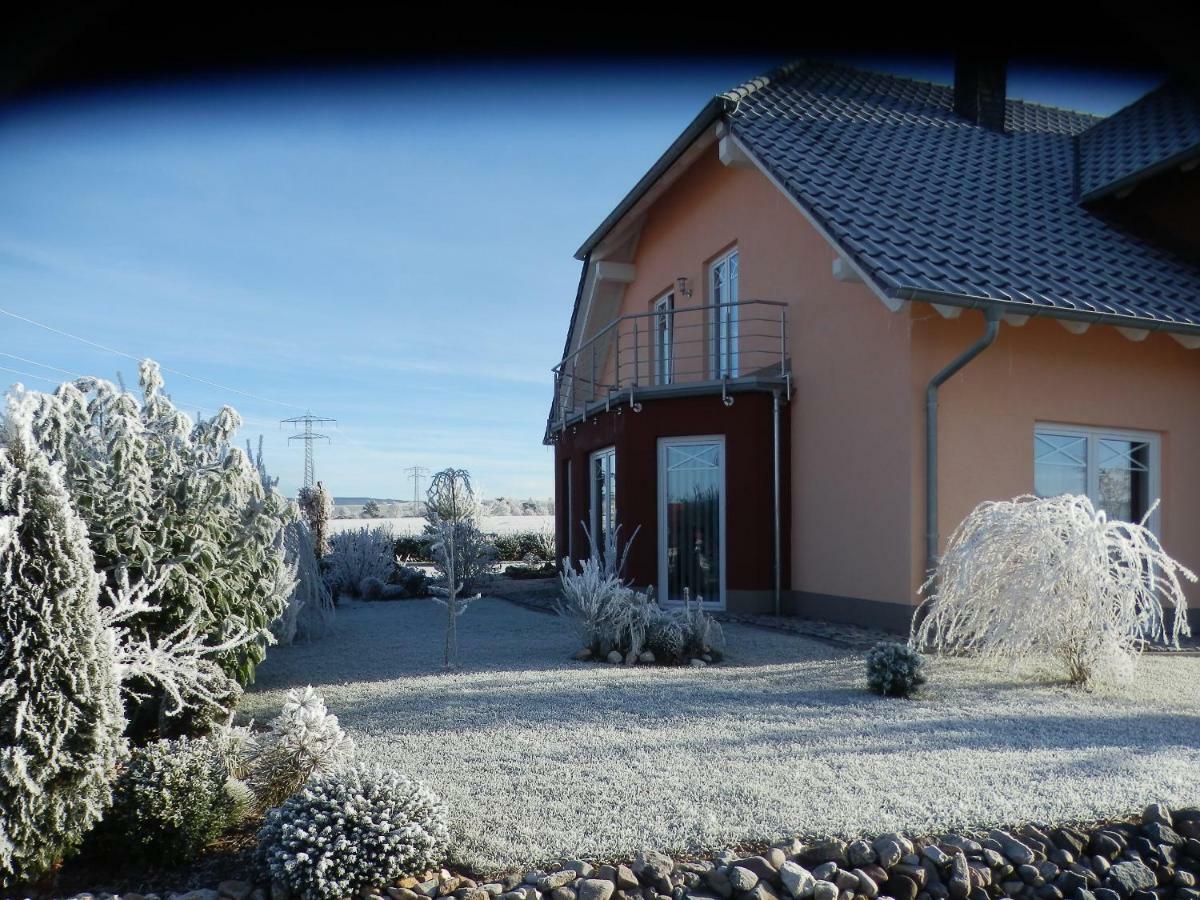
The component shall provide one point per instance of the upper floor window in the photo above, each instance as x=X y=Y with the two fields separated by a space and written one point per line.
x=664 y=338
x=723 y=295
x=1117 y=470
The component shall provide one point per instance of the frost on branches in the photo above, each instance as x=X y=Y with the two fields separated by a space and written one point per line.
x=395 y=825
x=1053 y=579
x=305 y=740
x=183 y=529
x=60 y=709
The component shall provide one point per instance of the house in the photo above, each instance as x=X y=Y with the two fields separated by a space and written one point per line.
x=845 y=307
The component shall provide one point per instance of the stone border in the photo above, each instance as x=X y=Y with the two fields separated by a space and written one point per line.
x=1156 y=857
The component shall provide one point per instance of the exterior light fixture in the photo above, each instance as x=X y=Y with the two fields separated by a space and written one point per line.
x=681 y=286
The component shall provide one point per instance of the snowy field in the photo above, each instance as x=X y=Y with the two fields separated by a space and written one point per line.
x=414 y=524
x=540 y=757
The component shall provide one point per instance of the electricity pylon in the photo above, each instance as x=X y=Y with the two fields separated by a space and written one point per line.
x=305 y=425
x=416 y=473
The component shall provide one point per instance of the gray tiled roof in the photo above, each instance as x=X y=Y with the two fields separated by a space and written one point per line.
x=1162 y=127
x=928 y=203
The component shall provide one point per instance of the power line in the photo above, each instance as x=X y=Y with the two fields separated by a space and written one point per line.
x=34 y=362
x=28 y=374
x=178 y=372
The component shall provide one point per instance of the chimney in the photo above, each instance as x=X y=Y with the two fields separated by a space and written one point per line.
x=979 y=90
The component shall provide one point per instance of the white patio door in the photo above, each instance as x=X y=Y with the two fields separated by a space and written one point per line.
x=723 y=291
x=691 y=519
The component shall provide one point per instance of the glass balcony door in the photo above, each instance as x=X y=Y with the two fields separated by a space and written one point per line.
x=691 y=526
x=723 y=291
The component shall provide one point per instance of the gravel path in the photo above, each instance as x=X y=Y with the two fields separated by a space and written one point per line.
x=539 y=756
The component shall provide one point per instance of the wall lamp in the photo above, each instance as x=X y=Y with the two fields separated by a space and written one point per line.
x=681 y=286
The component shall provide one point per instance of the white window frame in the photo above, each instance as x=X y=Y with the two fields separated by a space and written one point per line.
x=593 y=506
x=724 y=321
x=1093 y=434
x=663 y=444
x=664 y=351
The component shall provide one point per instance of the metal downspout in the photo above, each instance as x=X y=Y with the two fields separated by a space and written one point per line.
x=777 y=503
x=992 y=317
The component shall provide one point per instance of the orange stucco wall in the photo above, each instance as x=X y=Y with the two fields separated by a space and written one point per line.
x=1041 y=373
x=857 y=417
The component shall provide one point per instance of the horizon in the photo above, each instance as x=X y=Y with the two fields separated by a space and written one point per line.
x=390 y=248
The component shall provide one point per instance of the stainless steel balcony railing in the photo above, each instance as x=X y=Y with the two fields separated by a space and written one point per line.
x=685 y=348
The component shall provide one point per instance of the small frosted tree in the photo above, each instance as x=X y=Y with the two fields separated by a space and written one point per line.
x=60 y=709
x=459 y=549
x=1054 y=579
x=372 y=510
x=317 y=507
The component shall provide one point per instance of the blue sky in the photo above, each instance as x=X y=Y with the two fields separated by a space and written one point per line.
x=393 y=249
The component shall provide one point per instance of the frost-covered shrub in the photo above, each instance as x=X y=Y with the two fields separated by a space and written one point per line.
x=357 y=554
x=414 y=547
x=304 y=740
x=371 y=588
x=352 y=829
x=588 y=593
x=525 y=544
x=309 y=612
x=171 y=799
x=1054 y=579
x=894 y=669
x=60 y=707
x=412 y=581
x=172 y=505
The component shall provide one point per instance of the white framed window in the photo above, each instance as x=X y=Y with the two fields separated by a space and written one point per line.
x=664 y=338
x=602 y=466
x=691 y=519
x=722 y=292
x=1118 y=470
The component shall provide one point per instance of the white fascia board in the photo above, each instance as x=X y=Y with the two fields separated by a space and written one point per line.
x=895 y=304
x=843 y=271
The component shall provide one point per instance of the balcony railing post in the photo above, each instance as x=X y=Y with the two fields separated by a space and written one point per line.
x=636 y=363
x=617 y=364
x=593 y=391
x=782 y=340
x=574 y=379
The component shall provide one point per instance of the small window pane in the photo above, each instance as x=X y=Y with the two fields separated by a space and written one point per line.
x=1124 y=469
x=1060 y=465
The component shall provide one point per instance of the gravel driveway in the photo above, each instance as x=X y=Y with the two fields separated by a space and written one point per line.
x=539 y=756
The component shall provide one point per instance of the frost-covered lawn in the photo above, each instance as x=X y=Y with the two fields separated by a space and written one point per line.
x=539 y=756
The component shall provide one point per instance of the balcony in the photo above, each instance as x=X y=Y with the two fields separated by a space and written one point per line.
x=720 y=348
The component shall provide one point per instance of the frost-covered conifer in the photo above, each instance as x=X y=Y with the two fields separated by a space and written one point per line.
x=60 y=709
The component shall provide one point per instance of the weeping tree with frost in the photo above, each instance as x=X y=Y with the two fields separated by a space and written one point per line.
x=1054 y=579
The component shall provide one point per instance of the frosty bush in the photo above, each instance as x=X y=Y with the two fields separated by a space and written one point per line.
x=171 y=799
x=587 y=594
x=162 y=496
x=357 y=554
x=60 y=710
x=309 y=612
x=305 y=740
x=1053 y=579
x=894 y=670
x=345 y=831
x=371 y=588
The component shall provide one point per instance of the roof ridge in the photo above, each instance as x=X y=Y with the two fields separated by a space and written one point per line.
x=746 y=88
